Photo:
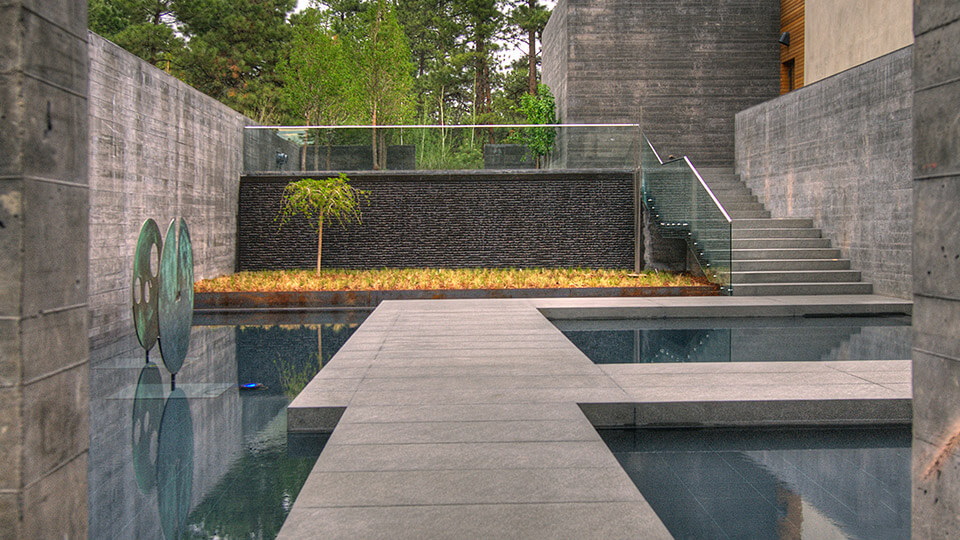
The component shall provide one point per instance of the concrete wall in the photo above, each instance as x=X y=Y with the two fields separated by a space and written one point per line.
x=936 y=264
x=466 y=219
x=158 y=149
x=44 y=367
x=841 y=34
x=690 y=65
x=839 y=151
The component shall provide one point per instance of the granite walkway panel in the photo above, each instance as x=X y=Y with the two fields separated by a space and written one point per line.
x=475 y=418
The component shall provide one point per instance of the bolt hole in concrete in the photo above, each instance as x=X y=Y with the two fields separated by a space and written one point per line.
x=223 y=465
x=757 y=339
x=811 y=483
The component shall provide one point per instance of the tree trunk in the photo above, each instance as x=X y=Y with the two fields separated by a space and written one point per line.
x=532 y=75
x=319 y=244
x=303 y=156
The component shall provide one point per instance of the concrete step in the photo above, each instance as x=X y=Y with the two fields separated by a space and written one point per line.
x=748 y=214
x=792 y=289
x=796 y=276
x=776 y=243
x=797 y=253
x=776 y=233
x=736 y=198
x=763 y=265
x=768 y=223
x=742 y=205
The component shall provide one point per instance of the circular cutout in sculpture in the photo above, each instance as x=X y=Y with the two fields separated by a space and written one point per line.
x=146 y=285
x=175 y=301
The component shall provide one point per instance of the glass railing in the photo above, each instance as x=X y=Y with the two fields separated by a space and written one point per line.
x=681 y=205
x=275 y=149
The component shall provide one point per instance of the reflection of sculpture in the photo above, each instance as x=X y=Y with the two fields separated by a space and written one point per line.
x=175 y=465
x=147 y=408
x=163 y=302
x=176 y=296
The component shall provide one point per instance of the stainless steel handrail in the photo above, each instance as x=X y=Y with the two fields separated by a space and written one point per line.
x=446 y=126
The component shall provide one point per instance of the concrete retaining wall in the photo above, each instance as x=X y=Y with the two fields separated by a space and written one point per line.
x=839 y=151
x=936 y=267
x=464 y=219
x=158 y=149
x=690 y=65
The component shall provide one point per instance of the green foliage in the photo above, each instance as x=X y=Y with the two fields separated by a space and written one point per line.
x=330 y=199
x=538 y=109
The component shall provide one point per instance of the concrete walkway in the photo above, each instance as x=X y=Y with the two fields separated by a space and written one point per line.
x=475 y=418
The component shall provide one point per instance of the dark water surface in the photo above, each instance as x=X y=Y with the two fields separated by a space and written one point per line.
x=208 y=459
x=816 y=484
x=760 y=339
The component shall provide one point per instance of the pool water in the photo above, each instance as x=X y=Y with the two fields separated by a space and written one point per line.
x=210 y=458
x=827 y=483
x=798 y=339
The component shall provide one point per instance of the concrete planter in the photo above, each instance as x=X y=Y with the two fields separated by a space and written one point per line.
x=370 y=299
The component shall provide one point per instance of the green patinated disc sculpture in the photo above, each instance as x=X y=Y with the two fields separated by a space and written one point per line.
x=175 y=300
x=146 y=285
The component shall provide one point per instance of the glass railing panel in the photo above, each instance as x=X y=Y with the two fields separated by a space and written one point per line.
x=681 y=205
x=272 y=149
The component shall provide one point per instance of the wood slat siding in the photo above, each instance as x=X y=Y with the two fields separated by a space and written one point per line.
x=792 y=20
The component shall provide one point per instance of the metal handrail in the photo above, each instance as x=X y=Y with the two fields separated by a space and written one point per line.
x=444 y=126
x=713 y=196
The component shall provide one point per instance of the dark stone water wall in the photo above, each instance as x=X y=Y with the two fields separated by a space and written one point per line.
x=457 y=219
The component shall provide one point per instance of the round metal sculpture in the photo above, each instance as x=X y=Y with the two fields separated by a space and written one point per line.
x=146 y=284
x=175 y=465
x=147 y=410
x=175 y=300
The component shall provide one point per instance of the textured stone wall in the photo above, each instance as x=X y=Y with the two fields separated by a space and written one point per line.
x=936 y=267
x=158 y=149
x=689 y=65
x=839 y=151
x=44 y=358
x=463 y=219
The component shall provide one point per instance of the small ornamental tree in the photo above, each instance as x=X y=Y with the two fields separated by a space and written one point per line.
x=539 y=109
x=331 y=199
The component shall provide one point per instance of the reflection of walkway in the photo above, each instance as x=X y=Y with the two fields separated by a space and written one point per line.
x=460 y=418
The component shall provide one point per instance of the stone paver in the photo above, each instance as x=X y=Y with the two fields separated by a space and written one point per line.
x=475 y=418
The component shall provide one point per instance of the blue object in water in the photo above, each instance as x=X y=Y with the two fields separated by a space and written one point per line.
x=251 y=386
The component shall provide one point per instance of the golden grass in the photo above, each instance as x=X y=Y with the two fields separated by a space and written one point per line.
x=438 y=279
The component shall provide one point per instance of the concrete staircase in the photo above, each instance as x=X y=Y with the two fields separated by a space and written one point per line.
x=777 y=256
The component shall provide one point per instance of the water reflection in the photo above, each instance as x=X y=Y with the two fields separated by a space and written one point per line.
x=206 y=460
x=851 y=483
x=740 y=340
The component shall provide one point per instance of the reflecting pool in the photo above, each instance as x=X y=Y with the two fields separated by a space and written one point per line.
x=838 y=483
x=758 y=339
x=211 y=457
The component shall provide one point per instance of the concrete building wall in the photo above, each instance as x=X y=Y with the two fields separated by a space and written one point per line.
x=44 y=367
x=465 y=219
x=936 y=265
x=839 y=151
x=840 y=34
x=689 y=65
x=158 y=149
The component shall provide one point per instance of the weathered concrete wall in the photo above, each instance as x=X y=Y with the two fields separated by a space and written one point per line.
x=839 y=152
x=936 y=264
x=690 y=65
x=841 y=34
x=158 y=149
x=44 y=367
x=452 y=220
